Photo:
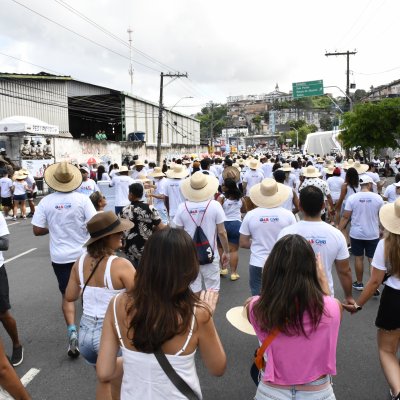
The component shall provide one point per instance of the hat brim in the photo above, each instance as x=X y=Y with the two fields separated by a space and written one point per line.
x=362 y=169
x=156 y=175
x=177 y=175
x=316 y=174
x=286 y=169
x=54 y=184
x=203 y=194
x=388 y=218
x=124 y=225
x=238 y=318
x=273 y=201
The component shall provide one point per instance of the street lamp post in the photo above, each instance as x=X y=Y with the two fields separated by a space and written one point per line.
x=297 y=136
x=337 y=87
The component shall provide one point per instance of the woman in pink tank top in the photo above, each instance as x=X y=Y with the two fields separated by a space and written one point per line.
x=295 y=301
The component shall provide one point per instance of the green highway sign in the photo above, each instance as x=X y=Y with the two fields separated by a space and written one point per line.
x=311 y=88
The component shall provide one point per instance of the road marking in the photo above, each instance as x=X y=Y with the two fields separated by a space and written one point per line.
x=14 y=223
x=25 y=380
x=20 y=255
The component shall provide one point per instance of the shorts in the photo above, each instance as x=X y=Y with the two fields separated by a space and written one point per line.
x=4 y=291
x=210 y=274
x=31 y=195
x=62 y=271
x=6 y=202
x=89 y=337
x=232 y=230
x=388 y=317
x=20 y=197
x=359 y=245
x=163 y=215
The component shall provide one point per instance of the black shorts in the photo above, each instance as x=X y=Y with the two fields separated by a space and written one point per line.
x=358 y=246
x=388 y=317
x=6 y=202
x=31 y=195
x=4 y=291
x=62 y=271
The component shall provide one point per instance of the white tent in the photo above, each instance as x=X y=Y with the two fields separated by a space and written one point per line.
x=29 y=125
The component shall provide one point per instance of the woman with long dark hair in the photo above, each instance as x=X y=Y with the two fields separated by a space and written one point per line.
x=294 y=306
x=161 y=313
x=101 y=174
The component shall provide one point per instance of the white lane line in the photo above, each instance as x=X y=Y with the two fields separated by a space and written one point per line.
x=13 y=223
x=25 y=380
x=20 y=255
x=28 y=377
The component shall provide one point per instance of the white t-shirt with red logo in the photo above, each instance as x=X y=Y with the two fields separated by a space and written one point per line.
x=264 y=225
x=88 y=187
x=326 y=240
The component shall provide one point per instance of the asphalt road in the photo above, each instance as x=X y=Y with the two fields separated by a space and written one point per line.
x=320 y=143
x=36 y=306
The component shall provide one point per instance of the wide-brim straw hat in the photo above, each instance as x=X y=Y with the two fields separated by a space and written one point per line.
x=389 y=216
x=63 y=177
x=360 y=168
x=253 y=164
x=237 y=316
x=329 y=170
x=156 y=173
x=269 y=193
x=19 y=175
x=286 y=167
x=199 y=187
x=105 y=224
x=123 y=168
x=311 y=172
x=178 y=171
x=348 y=163
x=320 y=160
x=231 y=172
x=143 y=178
x=139 y=163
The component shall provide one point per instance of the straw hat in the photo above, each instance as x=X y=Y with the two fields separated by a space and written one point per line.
x=178 y=171
x=105 y=224
x=389 y=216
x=360 y=168
x=311 y=172
x=253 y=164
x=63 y=177
x=157 y=172
x=231 y=172
x=348 y=163
x=236 y=165
x=286 y=167
x=139 y=163
x=329 y=170
x=269 y=193
x=143 y=178
x=199 y=187
x=123 y=168
x=19 y=175
x=320 y=160
x=237 y=316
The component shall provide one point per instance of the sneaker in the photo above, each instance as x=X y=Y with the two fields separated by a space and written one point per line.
x=358 y=286
x=234 y=276
x=377 y=293
x=17 y=356
x=73 y=350
x=14 y=218
x=30 y=215
x=23 y=217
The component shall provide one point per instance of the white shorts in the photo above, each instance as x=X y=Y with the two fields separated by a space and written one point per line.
x=210 y=274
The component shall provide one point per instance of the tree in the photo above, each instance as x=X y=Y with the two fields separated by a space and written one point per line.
x=325 y=122
x=257 y=122
x=215 y=115
x=372 y=125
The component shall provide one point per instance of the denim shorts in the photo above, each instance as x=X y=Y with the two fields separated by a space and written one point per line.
x=89 y=337
x=265 y=392
x=20 y=197
x=358 y=247
x=232 y=230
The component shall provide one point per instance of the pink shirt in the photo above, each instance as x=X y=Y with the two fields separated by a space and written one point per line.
x=295 y=360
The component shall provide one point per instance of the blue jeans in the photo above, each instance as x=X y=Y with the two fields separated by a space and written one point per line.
x=255 y=275
x=89 y=337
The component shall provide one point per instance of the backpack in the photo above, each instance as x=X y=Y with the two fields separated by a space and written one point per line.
x=205 y=252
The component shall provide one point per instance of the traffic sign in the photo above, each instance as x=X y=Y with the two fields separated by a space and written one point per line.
x=310 y=88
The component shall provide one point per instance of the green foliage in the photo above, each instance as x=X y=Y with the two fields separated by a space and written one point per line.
x=326 y=123
x=372 y=125
x=215 y=115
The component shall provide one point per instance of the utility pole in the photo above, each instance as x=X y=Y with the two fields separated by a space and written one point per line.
x=211 y=127
x=160 y=111
x=347 y=54
x=130 y=71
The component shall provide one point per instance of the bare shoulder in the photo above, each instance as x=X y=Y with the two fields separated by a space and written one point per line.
x=121 y=262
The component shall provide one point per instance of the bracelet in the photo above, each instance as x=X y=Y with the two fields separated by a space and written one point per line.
x=357 y=307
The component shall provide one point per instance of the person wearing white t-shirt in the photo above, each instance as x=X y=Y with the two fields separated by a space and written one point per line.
x=31 y=193
x=121 y=183
x=88 y=186
x=64 y=214
x=252 y=177
x=392 y=192
x=325 y=240
x=157 y=195
x=201 y=210
x=363 y=209
x=138 y=169
x=386 y=269
x=261 y=226
x=292 y=202
x=377 y=188
x=267 y=167
x=6 y=195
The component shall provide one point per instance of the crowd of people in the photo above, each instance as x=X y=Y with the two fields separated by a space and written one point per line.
x=148 y=272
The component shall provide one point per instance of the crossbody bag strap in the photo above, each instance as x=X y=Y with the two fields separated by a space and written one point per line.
x=267 y=341
x=174 y=377
x=90 y=277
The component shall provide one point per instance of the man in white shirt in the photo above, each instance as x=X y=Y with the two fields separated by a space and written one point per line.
x=267 y=167
x=6 y=195
x=139 y=169
x=64 y=214
x=88 y=186
x=32 y=193
x=121 y=182
x=252 y=177
x=201 y=210
x=363 y=209
x=392 y=192
x=325 y=240
x=261 y=226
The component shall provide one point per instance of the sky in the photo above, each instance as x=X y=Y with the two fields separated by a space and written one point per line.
x=227 y=48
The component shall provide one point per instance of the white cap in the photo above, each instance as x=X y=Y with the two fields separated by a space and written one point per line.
x=366 y=179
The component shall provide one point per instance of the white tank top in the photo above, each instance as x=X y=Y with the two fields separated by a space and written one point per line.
x=145 y=379
x=232 y=209
x=96 y=299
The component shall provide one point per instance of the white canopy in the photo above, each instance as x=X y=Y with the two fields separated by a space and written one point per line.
x=33 y=126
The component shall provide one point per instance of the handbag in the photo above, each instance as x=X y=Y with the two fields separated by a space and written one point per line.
x=174 y=377
x=259 y=362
